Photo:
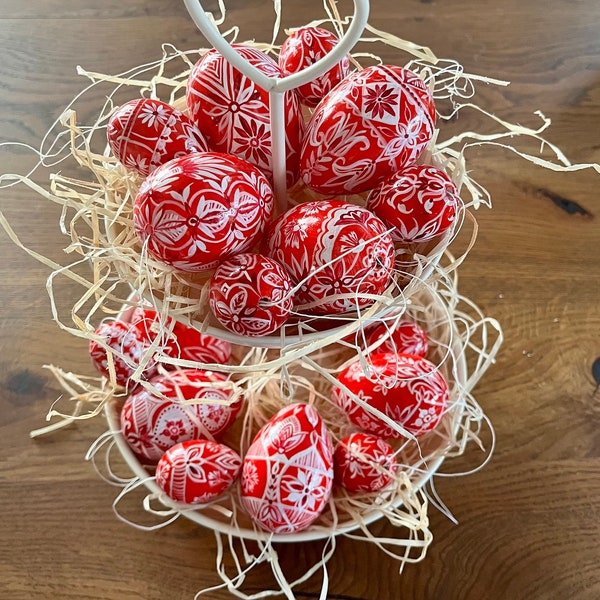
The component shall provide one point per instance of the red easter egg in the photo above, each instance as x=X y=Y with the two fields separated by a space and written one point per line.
x=304 y=47
x=232 y=111
x=250 y=294
x=197 y=471
x=375 y=122
x=402 y=337
x=196 y=210
x=152 y=421
x=332 y=247
x=364 y=463
x=287 y=473
x=420 y=203
x=183 y=342
x=144 y=134
x=125 y=339
x=409 y=390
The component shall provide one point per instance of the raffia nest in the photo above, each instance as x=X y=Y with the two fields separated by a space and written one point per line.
x=302 y=361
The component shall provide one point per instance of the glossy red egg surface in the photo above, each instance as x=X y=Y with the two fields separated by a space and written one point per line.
x=197 y=210
x=197 y=471
x=232 y=112
x=333 y=248
x=419 y=202
x=402 y=337
x=374 y=123
x=124 y=339
x=181 y=341
x=153 y=421
x=409 y=390
x=304 y=47
x=287 y=473
x=144 y=134
x=250 y=294
x=364 y=463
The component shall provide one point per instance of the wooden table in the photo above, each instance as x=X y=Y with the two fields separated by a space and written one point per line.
x=529 y=522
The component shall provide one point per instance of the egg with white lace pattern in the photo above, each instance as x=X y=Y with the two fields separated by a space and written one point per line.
x=197 y=471
x=408 y=390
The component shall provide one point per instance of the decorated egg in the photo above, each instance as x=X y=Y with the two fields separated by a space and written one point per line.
x=144 y=134
x=304 y=47
x=232 y=111
x=250 y=294
x=375 y=122
x=337 y=251
x=402 y=337
x=364 y=463
x=182 y=342
x=197 y=471
x=197 y=210
x=154 y=419
x=420 y=203
x=407 y=389
x=287 y=473
x=123 y=339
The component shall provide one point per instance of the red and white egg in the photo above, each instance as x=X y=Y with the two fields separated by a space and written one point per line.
x=181 y=341
x=419 y=203
x=402 y=337
x=154 y=419
x=232 y=112
x=127 y=346
x=197 y=471
x=337 y=251
x=375 y=122
x=364 y=463
x=144 y=134
x=196 y=210
x=304 y=47
x=407 y=389
x=250 y=294
x=287 y=473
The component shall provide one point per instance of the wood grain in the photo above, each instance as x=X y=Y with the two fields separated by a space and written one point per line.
x=529 y=522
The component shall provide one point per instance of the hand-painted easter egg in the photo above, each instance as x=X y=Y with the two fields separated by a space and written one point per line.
x=144 y=134
x=407 y=389
x=153 y=421
x=250 y=294
x=287 y=473
x=338 y=251
x=124 y=339
x=197 y=210
x=304 y=47
x=232 y=112
x=375 y=122
x=402 y=337
x=179 y=340
x=197 y=471
x=364 y=463
x=419 y=202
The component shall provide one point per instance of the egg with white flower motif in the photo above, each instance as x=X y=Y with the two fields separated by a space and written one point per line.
x=418 y=203
x=304 y=47
x=401 y=337
x=197 y=471
x=376 y=121
x=408 y=390
x=364 y=462
x=338 y=254
x=232 y=111
x=250 y=294
x=127 y=347
x=184 y=405
x=144 y=134
x=287 y=473
x=197 y=210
